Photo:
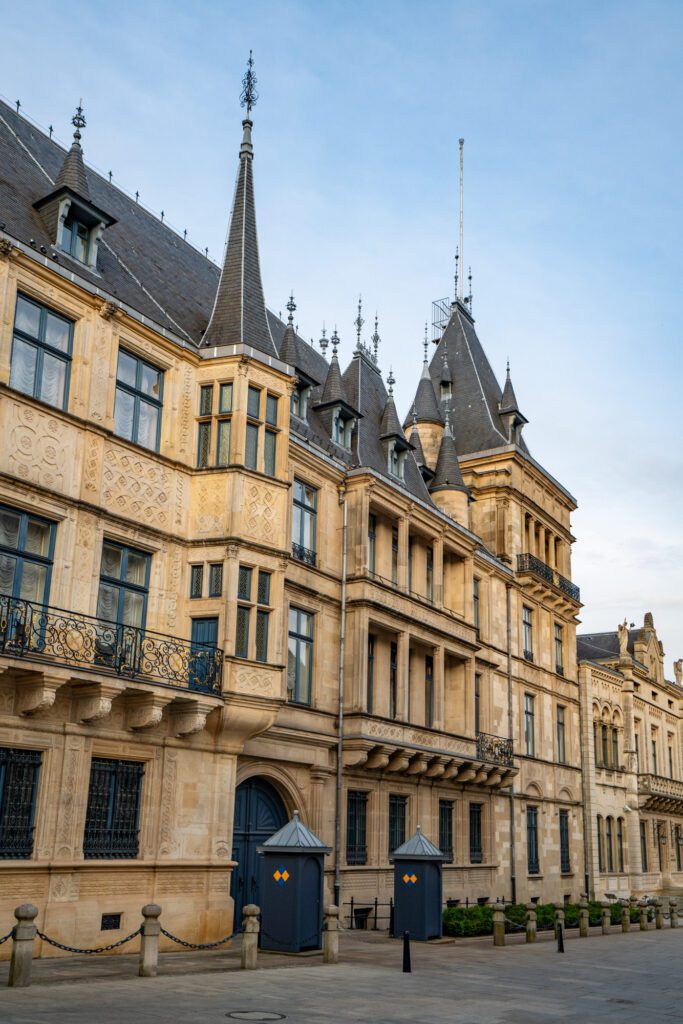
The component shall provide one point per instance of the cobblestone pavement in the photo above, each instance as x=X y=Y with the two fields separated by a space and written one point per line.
x=627 y=978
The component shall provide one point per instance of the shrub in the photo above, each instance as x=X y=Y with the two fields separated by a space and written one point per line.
x=475 y=920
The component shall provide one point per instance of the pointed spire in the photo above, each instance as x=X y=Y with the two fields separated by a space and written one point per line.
x=288 y=349
x=390 y=425
x=239 y=313
x=425 y=406
x=416 y=443
x=72 y=173
x=359 y=321
x=447 y=474
x=508 y=402
x=323 y=342
x=391 y=380
x=334 y=391
x=375 y=340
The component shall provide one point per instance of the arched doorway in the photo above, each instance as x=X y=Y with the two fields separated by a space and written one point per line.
x=259 y=811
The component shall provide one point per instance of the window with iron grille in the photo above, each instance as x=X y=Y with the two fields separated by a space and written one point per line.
x=304 y=515
x=262 y=619
x=124 y=586
x=18 y=785
x=565 y=860
x=225 y=398
x=113 y=812
x=196 y=580
x=206 y=400
x=215 y=579
x=643 y=846
x=371 y=674
x=529 y=725
x=528 y=633
x=203 y=444
x=429 y=691
x=393 y=680
x=356 y=827
x=26 y=553
x=397 y=821
x=41 y=353
x=139 y=393
x=561 y=734
x=532 y=840
x=244 y=613
x=446 y=829
x=300 y=656
x=476 y=848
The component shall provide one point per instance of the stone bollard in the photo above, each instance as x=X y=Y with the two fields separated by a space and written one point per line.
x=250 y=929
x=625 y=915
x=149 y=941
x=673 y=912
x=642 y=910
x=331 y=936
x=498 y=925
x=659 y=915
x=606 y=918
x=584 y=920
x=559 y=918
x=22 y=946
x=531 y=917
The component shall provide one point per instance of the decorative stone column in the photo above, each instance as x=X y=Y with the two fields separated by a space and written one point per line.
x=498 y=925
x=250 y=929
x=531 y=922
x=606 y=918
x=659 y=916
x=584 y=920
x=642 y=911
x=625 y=915
x=331 y=936
x=673 y=912
x=149 y=941
x=22 y=946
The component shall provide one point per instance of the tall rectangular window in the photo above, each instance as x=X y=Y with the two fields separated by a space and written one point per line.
x=643 y=846
x=430 y=574
x=528 y=631
x=223 y=425
x=139 y=395
x=477 y=703
x=561 y=734
x=446 y=829
x=609 y=843
x=248 y=606
x=304 y=517
x=620 y=845
x=410 y=563
x=565 y=860
x=655 y=770
x=196 y=581
x=394 y=555
x=559 y=649
x=475 y=598
x=671 y=762
x=476 y=848
x=393 y=680
x=26 y=554
x=300 y=658
x=397 y=821
x=371 y=674
x=271 y=410
x=372 y=544
x=251 y=446
x=529 y=725
x=605 y=745
x=635 y=736
x=113 y=811
x=615 y=747
x=215 y=579
x=356 y=827
x=124 y=585
x=204 y=426
x=254 y=403
x=429 y=691
x=269 y=452
x=532 y=840
x=41 y=353
x=18 y=785
x=601 y=845
x=678 y=843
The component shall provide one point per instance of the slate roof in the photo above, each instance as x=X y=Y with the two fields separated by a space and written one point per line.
x=447 y=475
x=334 y=392
x=597 y=646
x=425 y=404
x=418 y=847
x=72 y=172
x=390 y=425
x=476 y=394
x=294 y=836
x=508 y=402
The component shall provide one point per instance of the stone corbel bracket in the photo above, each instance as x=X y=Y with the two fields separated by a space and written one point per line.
x=94 y=702
x=36 y=693
x=189 y=716
x=145 y=711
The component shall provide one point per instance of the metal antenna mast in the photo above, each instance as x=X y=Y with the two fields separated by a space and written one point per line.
x=461 y=250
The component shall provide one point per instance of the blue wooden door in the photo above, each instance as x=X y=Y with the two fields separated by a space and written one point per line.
x=259 y=811
x=203 y=667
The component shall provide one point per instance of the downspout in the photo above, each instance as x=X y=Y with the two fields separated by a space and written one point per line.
x=340 y=717
x=511 y=794
x=585 y=758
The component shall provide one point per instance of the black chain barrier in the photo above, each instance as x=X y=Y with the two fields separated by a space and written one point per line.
x=514 y=926
x=278 y=939
x=199 y=945
x=10 y=935
x=97 y=949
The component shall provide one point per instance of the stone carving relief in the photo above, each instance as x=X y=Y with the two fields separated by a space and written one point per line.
x=37 y=448
x=260 y=512
x=67 y=804
x=210 y=519
x=168 y=845
x=64 y=887
x=185 y=412
x=136 y=487
x=622 y=630
x=92 y=465
x=256 y=681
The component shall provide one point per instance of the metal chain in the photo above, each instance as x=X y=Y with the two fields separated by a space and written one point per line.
x=97 y=949
x=10 y=935
x=199 y=945
x=515 y=926
x=278 y=939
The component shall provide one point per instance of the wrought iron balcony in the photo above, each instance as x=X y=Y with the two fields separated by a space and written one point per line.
x=303 y=554
x=44 y=633
x=529 y=563
x=495 y=749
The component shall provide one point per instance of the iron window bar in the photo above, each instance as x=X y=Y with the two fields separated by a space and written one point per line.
x=18 y=783
x=303 y=554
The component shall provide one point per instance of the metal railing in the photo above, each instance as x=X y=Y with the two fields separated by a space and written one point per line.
x=44 y=633
x=530 y=563
x=495 y=749
x=303 y=554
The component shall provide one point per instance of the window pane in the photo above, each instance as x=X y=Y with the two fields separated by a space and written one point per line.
x=269 y=453
x=9 y=529
x=291 y=666
x=124 y=409
x=133 y=608
x=79 y=243
x=57 y=332
x=136 y=570
x=242 y=633
x=244 y=583
x=27 y=317
x=262 y=636
x=150 y=381
x=127 y=369
x=107 y=602
x=293 y=620
x=66 y=236
x=196 y=580
x=147 y=425
x=23 y=372
x=225 y=398
x=8 y=567
x=253 y=403
x=111 y=561
x=37 y=538
x=216 y=579
x=251 y=451
x=264 y=588
x=271 y=410
x=306 y=624
x=33 y=580
x=204 y=445
x=206 y=400
x=305 y=659
x=53 y=380
x=223 y=450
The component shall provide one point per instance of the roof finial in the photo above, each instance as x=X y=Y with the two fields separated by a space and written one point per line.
x=457 y=261
x=323 y=341
x=461 y=249
x=469 y=297
x=335 y=342
x=507 y=370
x=291 y=306
x=249 y=95
x=359 y=321
x=425 y=343
x=391 y=380
x=78 y=121
x=375 y=339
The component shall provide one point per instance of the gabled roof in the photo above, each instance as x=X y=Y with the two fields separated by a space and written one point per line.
x=294 y=836
x=418 y=847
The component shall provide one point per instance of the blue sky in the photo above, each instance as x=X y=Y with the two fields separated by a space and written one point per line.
x=573 y=155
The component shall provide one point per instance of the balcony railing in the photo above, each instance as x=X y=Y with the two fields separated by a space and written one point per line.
x=40 y=632
x=495 y=749
x=303 y=554
x=529 y=563
x=660 y=786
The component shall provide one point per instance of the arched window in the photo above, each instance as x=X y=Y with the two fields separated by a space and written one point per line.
x=601 y=845
x=605 y=746
x=609 y=843
x=620 y=845
x=615 y=747
x=596 y=742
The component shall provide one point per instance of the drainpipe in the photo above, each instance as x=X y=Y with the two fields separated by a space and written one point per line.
x=585 y=768
x=340 y=723
x=508 y=612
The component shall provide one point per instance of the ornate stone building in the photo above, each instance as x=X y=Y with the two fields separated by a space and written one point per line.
x=632 y=726
x=235 y=583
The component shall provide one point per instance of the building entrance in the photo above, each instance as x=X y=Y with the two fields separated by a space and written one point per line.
x=259 y=811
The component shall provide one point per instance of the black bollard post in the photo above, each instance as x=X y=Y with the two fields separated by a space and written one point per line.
x=560 y=937
x=406 y=953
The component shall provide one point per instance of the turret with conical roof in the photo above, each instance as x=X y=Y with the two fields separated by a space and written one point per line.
x=448 y=488
x=509 y=410
x=426 y=413
x=333 y=406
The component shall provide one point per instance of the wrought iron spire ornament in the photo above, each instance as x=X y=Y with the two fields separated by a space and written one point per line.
x=323 y=341
x=249 y=95
x=391 y=380
x=291 y=306
x=425 y=343
x=359 y=321
x=78 y=121
x=335 y=343
x=457 y=261
x=469 y=297
x=375 y=339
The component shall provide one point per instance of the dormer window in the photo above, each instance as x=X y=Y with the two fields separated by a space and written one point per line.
x=76 y=239
x=342 y=428
x=300 y=397
x=397 y=461
x=445 y=389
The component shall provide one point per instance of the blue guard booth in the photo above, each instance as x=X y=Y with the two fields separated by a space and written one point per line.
x=292 y=871
x=417 y=888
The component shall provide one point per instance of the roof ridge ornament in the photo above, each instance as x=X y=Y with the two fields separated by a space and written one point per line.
x=249 y=95
x=425 y=343
x=391 y=380
x=335 y=342
x=78 y=121
x=291 y=307
x=375 y=339
x=323 y=340
x=358 y=322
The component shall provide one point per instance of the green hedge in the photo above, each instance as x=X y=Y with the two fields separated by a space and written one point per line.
x=475 y=920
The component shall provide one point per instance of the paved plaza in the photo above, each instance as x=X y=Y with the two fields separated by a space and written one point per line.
x=627 y=978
